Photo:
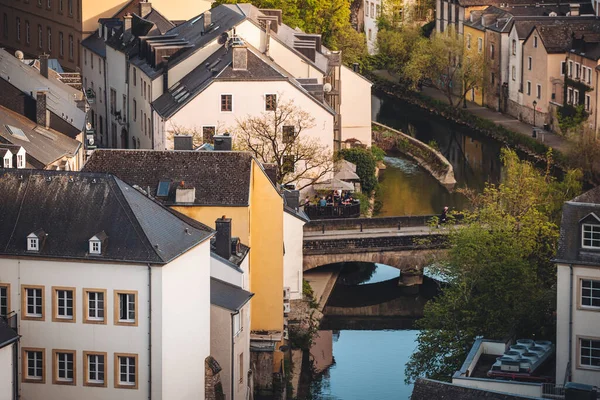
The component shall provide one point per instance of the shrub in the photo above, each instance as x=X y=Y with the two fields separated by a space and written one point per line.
x=365 y=166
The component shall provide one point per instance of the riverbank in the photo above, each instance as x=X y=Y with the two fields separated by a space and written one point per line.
x=486 y=122
x=431 y=160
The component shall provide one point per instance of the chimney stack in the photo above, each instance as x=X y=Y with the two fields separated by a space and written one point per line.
x=222 y=142
x=145 y=8
x=127 y=27
x=292 y=198
x=207 y=19
x=240 y=58
x=574 y=7
x=355 y=67
x=183 y=142
x=271 y=171
x=42 y=115
x=223 y=237
x=44 y=64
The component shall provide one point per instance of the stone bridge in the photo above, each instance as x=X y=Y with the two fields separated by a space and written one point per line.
x=406 y=243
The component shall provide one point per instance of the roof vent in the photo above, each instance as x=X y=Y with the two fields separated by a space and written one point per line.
x=223 y=142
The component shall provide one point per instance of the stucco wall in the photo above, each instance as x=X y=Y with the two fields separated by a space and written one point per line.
x=292 y=259
x=94 y=78
x=225 y=273
x=6 y=372
x=355 y=107
x=116 y=67
x=240 y=218
x=514 y=61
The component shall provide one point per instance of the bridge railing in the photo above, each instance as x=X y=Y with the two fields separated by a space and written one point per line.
x=332 y=212
x=370 y=223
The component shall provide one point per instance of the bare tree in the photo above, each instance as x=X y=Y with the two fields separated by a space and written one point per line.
x=280 y=137
x=196 y=132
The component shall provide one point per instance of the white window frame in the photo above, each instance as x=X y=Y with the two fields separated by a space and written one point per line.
x=62 y=312
x=570 y=68
x=36 y=360
x=529 y=63
x=96 y=305
x=128 y=304
x=514 y=73
x=32 y=294
x=33 y=244
x=575 y=97
x=62 y=367
x=98 y=361
x=4 y=298
x=588 y=100
x=514 y=47
x=7 y=163
x=479 y=45
x=577 y=70
x=95 y=247
x=126 y=361
x=20 y=161
x=594 y=288
x=366 y=8
x=569 y=95
x=528 y=88
x=590 y=349
x=592 y=228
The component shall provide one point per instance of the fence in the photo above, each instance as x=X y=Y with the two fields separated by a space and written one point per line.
x=331 y=212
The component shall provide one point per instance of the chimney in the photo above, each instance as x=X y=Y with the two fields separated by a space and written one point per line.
x=183 y=142
x=267 y=36
x=44 y=64
x=223 y=237
x=127 y=27
x=574 y=10
x=355 y=67
x=271 y=171
x=42 y=115
x=292 y=198
x=240 y=58
x=207 y=20
x=222 y=142
x=145 y=8
x=185 y=194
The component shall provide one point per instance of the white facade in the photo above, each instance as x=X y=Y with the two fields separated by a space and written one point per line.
x=116 y=98
x=356 y=107
x=6 y=372
x=515 y=52
x=93 y=71
x=585 y=323
x=372 y=12
x=292 y=259
x=172 y=311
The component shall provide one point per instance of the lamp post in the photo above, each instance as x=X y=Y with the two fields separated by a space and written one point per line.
x=534 y=105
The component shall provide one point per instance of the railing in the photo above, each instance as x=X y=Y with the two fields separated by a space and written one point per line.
x=330 y=212
x=400 y=222
x=552 y=391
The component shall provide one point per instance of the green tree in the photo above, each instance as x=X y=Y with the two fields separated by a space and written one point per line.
x=395 y=47
x=365 y=166
x=353 y=46
x=501 y=279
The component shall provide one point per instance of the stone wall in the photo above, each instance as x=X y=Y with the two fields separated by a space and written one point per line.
x=261 y=362
x=374 y=244
x=367 y=223
x=426 y=389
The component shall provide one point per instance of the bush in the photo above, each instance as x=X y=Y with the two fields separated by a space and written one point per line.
x=365 y=166
x=307 y=290
x=378 y=153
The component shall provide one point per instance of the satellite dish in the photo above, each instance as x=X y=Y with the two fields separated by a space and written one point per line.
x=327 y=87
x=223 y=38
x=19 y=54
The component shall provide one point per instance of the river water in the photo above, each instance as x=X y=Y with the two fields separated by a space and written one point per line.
x=369 y=364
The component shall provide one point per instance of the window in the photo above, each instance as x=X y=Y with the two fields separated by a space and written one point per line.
x=289 y=132
x=372 y=10
x=134 y=109
x=514 y=47
x=237 y=324
x=40 y=39
x=226 y=103
x=27 y=33
x=32 y=298
x=577 y=70
x=370 y=34
x=18 y=28
x=492 y=51
x=123 y=107
x=493 y=79
x=100 y=65
x=126 y=371
x=468 y=41
x=535 y=40
x=33 y=365
x=270 y=102
x=5 y=25
x=366 y=8
x=91 y=60
x=71 y=50
x=590 y=236
x=113 y=101
x=514 y=73
x=94 y=306
x=60 y=6
x=570 y=69
x=589 y=353
x=4 y=299
x=529 y=63
x=288 y=164
x=134 y=76
x=479 y=45
x=241 y=368
x=33 y=244
x=70 y=5
x=63 y=304
x=378 y=11
x=61 y=44
x=539 y=91
x=575 y=96
x=63 y=371
x=208 y=132
x=587 y=102
x=528 y=88
x=95 y=247
x=94 y=369
x=20 y=161
x=590 y=293
x=49 y=4
x=562 y=67
x=49 y=34
x=144 y=91
x=126 y=308
x=39 y=3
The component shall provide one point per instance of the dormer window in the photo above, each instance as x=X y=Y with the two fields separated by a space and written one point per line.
x=33 y=244
x=35 y=240
x=590 y=236
x=7 y=159
x=98 y=243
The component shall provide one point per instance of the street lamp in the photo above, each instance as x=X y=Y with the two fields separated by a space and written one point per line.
x=534 y=105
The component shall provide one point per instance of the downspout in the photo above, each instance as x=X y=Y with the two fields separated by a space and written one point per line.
x=106 y=114
x=233 y=354
x=149 y=332
x=569 y=364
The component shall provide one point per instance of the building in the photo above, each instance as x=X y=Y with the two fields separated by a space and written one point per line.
x=205 y=186
x=372 y=13
x=101 y=278
x=474 y=39
x=578 y=291
x=9 y=341
x=293 y=228
x=167 y=76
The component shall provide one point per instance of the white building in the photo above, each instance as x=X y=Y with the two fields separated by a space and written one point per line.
x=578 y=291
x=9 y=340
x=372 y=12
x=293 y=232
x=111 y=289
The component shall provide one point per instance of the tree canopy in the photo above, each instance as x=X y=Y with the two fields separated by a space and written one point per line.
x=500 y=277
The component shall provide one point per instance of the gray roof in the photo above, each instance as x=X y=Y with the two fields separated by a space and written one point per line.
x=7 y=334
x=95 y=44
x=236 y=259
x=72 y=207
x=427 y=389
x=219 y=177
x=584 y=208
x=228 y=296
x=45 y=145
x=557 y=33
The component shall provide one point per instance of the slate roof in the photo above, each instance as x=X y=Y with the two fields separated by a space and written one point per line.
x=45 y=145
x=228 y=296
x=236 y=259
x=95 y=44
x=72 y=207
x=7 y=334
x=556 y=33
x=569 y=243
x=221 y=178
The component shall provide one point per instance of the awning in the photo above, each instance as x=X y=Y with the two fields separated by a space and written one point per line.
x=343 y=165
x=347 y=175
x=334 y=184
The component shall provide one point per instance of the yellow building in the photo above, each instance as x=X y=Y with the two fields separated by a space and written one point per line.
x=205 y=186
x=474 y=40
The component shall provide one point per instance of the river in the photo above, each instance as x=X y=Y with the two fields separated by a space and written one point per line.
x=368 y=363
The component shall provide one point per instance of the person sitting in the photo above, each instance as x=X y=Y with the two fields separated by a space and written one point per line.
x=322 y=202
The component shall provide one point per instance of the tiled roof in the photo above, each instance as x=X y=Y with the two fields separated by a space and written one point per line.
x=72 y=207
x=556 y=34
x=219 y=177
x=228 y=296
x=574 y=212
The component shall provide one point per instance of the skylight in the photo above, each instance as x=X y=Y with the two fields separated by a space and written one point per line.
x=17 y=133
x=163 y=189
